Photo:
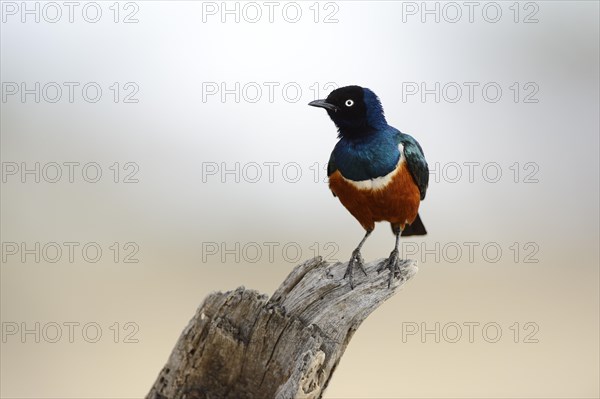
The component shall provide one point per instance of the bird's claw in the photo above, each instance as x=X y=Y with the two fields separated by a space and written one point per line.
x=394 y=264
x=356 y=259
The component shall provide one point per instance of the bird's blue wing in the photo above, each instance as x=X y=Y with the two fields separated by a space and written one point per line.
x=415 y=159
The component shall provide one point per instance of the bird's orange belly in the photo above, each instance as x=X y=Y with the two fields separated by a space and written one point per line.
x=395 y=200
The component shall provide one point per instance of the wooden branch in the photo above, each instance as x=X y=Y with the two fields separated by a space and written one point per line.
x=240 y=344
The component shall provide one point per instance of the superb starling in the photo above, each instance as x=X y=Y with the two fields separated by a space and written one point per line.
x=377 y=172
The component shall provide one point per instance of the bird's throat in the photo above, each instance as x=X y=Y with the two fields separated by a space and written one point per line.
x=355 y=132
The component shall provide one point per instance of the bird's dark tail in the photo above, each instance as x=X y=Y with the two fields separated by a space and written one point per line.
x=414 y=229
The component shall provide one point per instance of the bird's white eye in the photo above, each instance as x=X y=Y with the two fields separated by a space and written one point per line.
x=349 y=103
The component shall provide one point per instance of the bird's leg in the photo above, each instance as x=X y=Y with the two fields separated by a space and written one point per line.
x=356 y=259
x=394 y=263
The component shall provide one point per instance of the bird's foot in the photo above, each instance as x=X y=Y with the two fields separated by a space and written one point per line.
x=394 y=264
x=357 y=260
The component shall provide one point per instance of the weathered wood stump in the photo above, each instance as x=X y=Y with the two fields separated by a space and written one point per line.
x=241 y=344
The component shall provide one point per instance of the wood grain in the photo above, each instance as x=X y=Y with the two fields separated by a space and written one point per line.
x=241 y=344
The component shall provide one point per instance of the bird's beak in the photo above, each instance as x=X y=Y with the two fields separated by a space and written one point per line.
x=323 y=104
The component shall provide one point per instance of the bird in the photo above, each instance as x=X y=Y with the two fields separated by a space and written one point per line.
x=378 y=173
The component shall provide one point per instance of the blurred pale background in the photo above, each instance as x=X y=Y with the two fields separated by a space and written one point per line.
x=542 y=213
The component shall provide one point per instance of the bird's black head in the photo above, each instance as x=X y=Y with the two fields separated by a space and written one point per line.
x=356 y=111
